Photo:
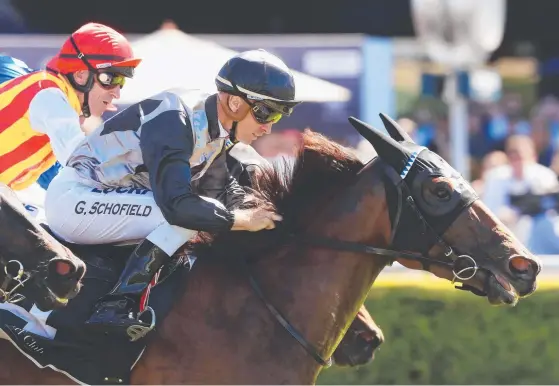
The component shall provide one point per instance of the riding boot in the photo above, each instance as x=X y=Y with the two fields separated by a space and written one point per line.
x=117 y=313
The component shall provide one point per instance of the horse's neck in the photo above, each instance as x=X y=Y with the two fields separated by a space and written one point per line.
x=319 y=290
x=319 y=297
x=220 y=328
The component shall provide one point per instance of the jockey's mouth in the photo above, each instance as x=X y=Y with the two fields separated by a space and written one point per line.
x=110 y=106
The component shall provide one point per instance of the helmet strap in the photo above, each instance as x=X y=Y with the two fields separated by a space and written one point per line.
x=85 y=107
x=233 y=132
x=85 y=89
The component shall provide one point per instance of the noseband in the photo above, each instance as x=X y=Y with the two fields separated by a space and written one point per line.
x=463 y=267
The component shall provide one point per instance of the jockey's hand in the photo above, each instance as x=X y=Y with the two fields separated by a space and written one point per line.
x=254 y=220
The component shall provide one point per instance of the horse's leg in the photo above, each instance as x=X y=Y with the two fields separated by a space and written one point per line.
x=16 y=369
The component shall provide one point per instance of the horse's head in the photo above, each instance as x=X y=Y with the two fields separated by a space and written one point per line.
x=436 y=214
x=50 y=273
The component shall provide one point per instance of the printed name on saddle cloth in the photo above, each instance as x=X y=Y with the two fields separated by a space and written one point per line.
x=111 y=208
x=28 y=340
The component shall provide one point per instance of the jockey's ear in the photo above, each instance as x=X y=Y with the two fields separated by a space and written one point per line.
x=235 y=103
x=81 y=77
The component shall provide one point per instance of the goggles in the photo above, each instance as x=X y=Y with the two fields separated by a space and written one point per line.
x=263 y=114
x=108 y=80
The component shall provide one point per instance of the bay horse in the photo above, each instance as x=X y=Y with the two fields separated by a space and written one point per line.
x=32 y=263
x=271 y=307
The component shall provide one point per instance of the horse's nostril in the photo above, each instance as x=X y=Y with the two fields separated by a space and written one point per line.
x=368 y=336
x=63 y=267
x=519 y=264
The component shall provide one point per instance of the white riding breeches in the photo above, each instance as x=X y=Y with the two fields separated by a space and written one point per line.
x=33 y=199
x=82 y=214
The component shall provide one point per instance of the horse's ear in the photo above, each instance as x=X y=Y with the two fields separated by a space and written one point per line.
x=394 y=129
x=387 y=149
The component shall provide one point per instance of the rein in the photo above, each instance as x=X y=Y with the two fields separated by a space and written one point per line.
x=405 y=205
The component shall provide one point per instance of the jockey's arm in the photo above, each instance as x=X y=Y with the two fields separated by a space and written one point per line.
x=167 y=145
x=50 y=113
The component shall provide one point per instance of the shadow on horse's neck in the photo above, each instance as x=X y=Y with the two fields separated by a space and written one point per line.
x=319 y=291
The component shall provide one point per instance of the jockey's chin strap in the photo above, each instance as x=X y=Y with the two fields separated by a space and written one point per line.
x=233 y=133
x=463 y=267
x=85 y=88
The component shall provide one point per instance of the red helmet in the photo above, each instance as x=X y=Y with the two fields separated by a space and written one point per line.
x=95 y=47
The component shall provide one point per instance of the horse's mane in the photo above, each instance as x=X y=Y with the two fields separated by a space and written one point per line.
x=292 y=190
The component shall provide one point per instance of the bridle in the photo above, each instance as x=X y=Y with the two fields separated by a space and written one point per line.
x=463 y=266
x=14 y=271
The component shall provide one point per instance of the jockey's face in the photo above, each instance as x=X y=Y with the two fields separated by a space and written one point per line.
x=100 y=98
x=248 y=128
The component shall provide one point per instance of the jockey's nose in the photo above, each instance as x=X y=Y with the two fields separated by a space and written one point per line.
x=266 y=128
x=116 y=92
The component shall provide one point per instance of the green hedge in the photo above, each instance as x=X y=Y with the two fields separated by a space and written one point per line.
x=452 y=337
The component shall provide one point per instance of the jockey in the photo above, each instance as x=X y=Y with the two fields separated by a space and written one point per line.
x=151 y=174
x=41 y=111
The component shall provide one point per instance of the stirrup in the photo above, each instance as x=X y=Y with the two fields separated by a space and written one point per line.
x=137 y=332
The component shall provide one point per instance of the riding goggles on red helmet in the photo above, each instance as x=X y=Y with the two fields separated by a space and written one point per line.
x=109 y=80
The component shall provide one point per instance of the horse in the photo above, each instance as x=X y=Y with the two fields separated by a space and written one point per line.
x=271 y=307
x=33 y=263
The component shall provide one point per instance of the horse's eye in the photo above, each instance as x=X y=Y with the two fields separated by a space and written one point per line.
x=442 y=192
